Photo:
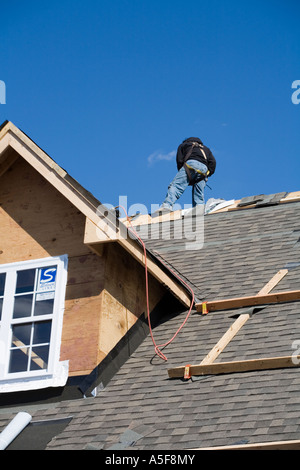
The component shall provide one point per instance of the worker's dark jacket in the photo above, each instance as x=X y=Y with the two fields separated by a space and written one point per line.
x=196 y=154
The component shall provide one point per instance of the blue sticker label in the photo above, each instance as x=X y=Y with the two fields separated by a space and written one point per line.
x=47 y=278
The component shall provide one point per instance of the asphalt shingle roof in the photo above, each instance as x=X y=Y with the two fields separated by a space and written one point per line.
x=142 y=408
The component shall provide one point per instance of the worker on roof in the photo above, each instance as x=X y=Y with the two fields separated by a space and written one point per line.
x=195 y=163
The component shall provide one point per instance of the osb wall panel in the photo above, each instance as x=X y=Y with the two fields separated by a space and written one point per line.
x=105 y=293
x=36 y=221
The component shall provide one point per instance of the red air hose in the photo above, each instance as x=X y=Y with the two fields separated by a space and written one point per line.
x=157 y=348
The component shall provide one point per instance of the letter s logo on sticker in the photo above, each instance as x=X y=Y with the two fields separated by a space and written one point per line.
x=48 y=275
x=47 y=279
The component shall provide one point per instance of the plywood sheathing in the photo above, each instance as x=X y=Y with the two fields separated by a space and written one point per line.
x=105 y=291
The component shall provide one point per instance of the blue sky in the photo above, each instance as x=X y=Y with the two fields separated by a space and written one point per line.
x=110 y=88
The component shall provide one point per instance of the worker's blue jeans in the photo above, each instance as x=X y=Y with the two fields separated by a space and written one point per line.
x=181 y=182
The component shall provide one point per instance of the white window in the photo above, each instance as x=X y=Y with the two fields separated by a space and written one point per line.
x=32 y=295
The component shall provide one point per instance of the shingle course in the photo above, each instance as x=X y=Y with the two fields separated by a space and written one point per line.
x=242 y=252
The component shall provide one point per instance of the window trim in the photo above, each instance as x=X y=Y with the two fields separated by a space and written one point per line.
x=56 y=372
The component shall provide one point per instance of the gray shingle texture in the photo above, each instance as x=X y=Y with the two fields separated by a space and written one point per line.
x=242 y=251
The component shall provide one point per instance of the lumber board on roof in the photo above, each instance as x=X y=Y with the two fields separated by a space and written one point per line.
x=226 y=338
x=273 y=445
x=293 y=196
x=241 y=320
x=237 y=366
x=237 y=302
x=273 y=282
x=145 y=219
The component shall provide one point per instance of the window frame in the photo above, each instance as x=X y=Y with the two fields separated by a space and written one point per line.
x=7 y=321
x=2 y=298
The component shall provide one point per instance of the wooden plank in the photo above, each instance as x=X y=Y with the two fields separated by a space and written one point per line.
x=239 y=323
x=238 y=302
x=226 y=338
x=294 y=196
x=146 y=219
x=237 y=366
x=139 y=220
x=274 y=445
x=273 y=282
x=91 y=232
